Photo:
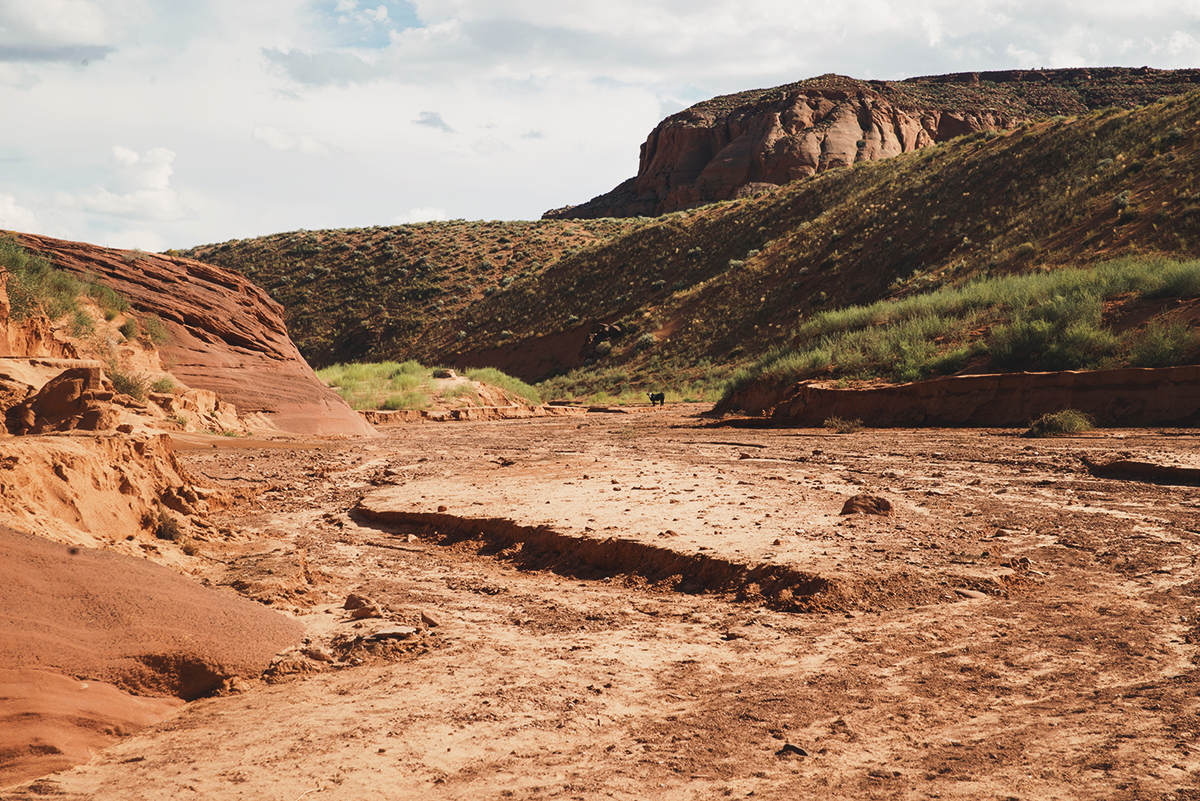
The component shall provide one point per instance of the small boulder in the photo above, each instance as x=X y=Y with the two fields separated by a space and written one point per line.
x=865 y=504
x=75 y=400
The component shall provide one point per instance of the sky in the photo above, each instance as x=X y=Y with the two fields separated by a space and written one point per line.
x=170 y=123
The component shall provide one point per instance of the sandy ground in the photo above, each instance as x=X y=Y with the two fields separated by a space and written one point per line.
x=645 y=606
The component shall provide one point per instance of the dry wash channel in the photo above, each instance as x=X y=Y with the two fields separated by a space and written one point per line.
x=572 y=668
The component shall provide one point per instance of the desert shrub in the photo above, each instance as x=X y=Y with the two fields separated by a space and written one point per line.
x=164 y=384
x=166 y=527
x=842 y=426
x=82 y=325
x=127 y=382
x=1161 y=345
x=1068 y=421
x=129 y=328
x=35 y=286
x=604 y=348
x=110 y=303
x=156 y=332
x=646 y=341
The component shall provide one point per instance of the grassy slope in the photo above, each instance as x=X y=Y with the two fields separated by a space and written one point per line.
x=723 y=284
x=373 y=294
x=735 y=279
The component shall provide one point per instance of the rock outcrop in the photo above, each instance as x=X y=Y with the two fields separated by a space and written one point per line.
x=225 y=334
x=1130 y=396
x=737 y=145
x=74 y=401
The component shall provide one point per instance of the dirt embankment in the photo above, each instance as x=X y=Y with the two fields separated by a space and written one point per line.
x=100 y=633
x=1124 y=397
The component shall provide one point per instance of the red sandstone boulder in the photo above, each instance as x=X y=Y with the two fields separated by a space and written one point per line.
x=74 y=401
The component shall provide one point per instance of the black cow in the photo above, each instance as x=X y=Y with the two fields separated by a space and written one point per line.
x=657 y=398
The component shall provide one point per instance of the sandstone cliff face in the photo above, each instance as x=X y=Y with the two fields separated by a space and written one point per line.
x=226 y=334
x=737 y=145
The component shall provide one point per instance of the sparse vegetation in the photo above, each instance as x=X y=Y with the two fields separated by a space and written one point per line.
x=514 y=386
x=35 y=286
x=166 y=527
x=1047 y=321
x=127 y=382
x=1068 y=421
x=843 y=426
x=155 y=332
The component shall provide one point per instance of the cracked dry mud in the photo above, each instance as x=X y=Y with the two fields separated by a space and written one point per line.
x=643 y=606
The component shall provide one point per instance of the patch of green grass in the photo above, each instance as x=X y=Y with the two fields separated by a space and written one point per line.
x=1040 y=321
x=514 y=386
x=128 y=382
x=35 y=286
x=1068 y=421
x=373 y=386
x=409 y=400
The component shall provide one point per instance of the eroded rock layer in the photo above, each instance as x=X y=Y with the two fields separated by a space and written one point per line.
x=1122 y=397
x=736 y=145
x=226 y=334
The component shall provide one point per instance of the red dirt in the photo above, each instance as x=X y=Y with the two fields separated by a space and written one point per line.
x=613 y=601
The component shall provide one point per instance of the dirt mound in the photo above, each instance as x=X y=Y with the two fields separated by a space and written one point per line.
x=102 y=616
x=226 y=334
x=105 y=491
x=1124 y=397
x=50 y=722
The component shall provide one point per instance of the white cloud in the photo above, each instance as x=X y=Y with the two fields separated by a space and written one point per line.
x=53 y=30
x=420 y=215
x=17 y=77
x=278 y=139
x=141 y=184
x=490 y=146
x=15 y=218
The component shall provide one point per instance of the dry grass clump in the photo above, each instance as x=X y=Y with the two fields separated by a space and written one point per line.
x=1068 y=421
x=843 y=426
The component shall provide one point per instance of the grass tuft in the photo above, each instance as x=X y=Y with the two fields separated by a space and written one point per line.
x=1068 y=421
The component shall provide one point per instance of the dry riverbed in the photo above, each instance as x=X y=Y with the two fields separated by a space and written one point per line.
x=645 y=605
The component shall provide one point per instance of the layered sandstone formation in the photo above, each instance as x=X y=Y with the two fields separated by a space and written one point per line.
x=1123 y=397
x=737 y=145
x=226 y=334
